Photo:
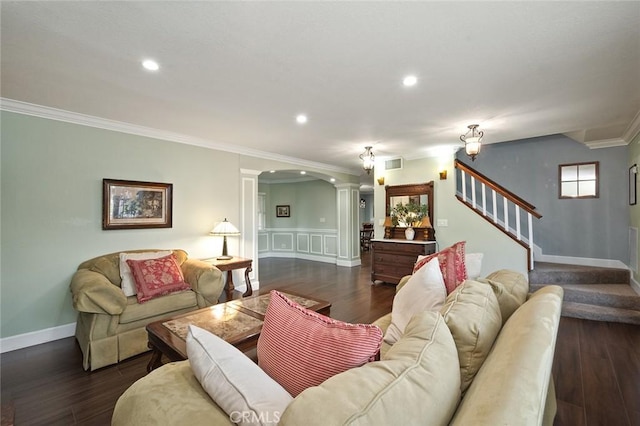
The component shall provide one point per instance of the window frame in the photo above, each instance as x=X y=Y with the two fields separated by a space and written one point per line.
x=578 y=180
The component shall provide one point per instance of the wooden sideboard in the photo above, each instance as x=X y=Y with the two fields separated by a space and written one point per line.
x=393 y=259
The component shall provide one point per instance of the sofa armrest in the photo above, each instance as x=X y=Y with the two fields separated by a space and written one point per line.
x=204 y=278
x=94 y=293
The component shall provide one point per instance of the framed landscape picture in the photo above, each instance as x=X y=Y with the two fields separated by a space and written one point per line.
x=134 y=205
x=283 y=211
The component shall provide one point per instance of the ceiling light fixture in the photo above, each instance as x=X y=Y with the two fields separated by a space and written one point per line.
x=301 y=119
x=472 y=141
x=303 y=172
x=150 y=64
x=410 y=80
x=368 y=159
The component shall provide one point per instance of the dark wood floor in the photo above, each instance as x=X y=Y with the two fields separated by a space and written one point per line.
x=597 y=369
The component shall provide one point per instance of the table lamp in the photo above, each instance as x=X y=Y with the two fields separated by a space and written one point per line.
x=224 y=229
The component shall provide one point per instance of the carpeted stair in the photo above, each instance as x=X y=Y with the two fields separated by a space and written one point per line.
x=600 y=294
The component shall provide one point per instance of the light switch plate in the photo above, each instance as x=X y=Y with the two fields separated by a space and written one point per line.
x=443 y=222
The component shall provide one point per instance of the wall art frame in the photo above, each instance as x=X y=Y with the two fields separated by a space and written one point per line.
x=128 y=204
x=283 y=211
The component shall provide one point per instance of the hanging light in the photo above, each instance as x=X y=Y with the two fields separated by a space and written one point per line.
x=472 y=141
x=368 y=159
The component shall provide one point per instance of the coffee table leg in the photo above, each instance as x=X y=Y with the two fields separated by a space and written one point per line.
x=249 y=290
x=156 y=359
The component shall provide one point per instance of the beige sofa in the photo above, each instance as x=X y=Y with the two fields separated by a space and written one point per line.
x=418 y=379
x=111 y=326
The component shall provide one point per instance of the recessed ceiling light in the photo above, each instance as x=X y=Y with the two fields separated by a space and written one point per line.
x=303 y=172
x=301 y=118
x=272 y=171
x=332 y=179
x=150 y=64
x=410 y=80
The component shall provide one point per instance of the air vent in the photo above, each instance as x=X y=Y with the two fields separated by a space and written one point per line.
x=393 y=164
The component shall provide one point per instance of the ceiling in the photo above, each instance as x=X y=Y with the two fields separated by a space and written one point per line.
x=235 y=74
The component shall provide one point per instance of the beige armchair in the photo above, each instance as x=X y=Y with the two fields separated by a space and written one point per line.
x=111 y=326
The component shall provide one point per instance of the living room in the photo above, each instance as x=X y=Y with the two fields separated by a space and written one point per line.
x=55 y=154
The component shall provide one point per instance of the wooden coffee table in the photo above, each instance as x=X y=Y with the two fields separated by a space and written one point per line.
x=238 y=322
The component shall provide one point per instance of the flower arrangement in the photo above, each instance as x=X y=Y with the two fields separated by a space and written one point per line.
x=408 y=215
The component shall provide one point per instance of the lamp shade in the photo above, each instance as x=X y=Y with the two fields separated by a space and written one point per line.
x=224 y=228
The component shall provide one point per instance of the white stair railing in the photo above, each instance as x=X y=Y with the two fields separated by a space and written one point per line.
x=508 y=219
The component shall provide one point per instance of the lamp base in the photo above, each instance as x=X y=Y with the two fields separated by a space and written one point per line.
x=224 y=257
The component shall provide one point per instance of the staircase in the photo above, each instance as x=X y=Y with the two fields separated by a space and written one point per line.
x=600 y=294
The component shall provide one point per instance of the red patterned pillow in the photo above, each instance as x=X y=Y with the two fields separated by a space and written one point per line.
x=300 y=348
x=452 y=265
x=157 y=277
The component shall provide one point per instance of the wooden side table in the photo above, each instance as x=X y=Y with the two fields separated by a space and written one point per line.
x=230 y=265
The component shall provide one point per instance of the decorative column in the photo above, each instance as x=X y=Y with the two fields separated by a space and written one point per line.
x=348 y=198
x=249 y=222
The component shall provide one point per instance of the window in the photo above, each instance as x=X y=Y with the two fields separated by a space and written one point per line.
x=578 y=180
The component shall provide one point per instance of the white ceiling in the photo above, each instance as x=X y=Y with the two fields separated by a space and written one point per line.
x=235 y=74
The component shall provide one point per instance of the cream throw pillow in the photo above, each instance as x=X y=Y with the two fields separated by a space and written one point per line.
x=425 y=291
x=128 y=284
x=234 y=382
x=473 y=262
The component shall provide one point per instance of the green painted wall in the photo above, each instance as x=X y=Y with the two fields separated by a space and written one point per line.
x=51 y=186
x=310 y=202
x=634 y=211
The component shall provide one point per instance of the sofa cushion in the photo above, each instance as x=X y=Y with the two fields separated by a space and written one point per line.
x=164 y=305
x=452 y=264
x=425 y=291
x=472 y=314
x=169 y=395
x=300 y=348
x=415 y=383
x=128 y=284
x=516 y=375
x=511 y=289
x=234 y=382
x=157 y=277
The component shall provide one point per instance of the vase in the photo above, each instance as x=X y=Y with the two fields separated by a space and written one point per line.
x=409 y=233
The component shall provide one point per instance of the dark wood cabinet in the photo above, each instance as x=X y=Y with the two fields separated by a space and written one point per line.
x=393 y=259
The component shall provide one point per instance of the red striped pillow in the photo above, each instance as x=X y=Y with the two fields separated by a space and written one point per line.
x=300 y=348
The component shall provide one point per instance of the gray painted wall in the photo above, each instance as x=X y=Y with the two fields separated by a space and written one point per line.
x=310 y=202
x=591 y=228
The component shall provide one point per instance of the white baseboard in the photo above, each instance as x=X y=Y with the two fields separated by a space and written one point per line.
x=583 y=261
x=33 y=338
x=348 y=263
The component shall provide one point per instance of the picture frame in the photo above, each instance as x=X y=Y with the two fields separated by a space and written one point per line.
x=633 y=173
x=128 y=204
x=283 y=211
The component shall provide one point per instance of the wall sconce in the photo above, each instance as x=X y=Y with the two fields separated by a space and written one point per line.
x=381 y=180
x=472 y=142
x=368 y=159
x=443 y=175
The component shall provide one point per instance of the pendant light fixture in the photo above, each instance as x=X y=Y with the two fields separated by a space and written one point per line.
x=472 y=141
x=368 y=159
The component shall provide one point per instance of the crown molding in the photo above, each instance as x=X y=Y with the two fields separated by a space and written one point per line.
x=25 y=108
x=633 y=130
x=606 y=143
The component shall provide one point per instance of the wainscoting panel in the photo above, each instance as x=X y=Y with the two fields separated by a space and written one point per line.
x=330 y=245
x=282 y=241
x=316 y=244
x=303 y=243
x=263 y=242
